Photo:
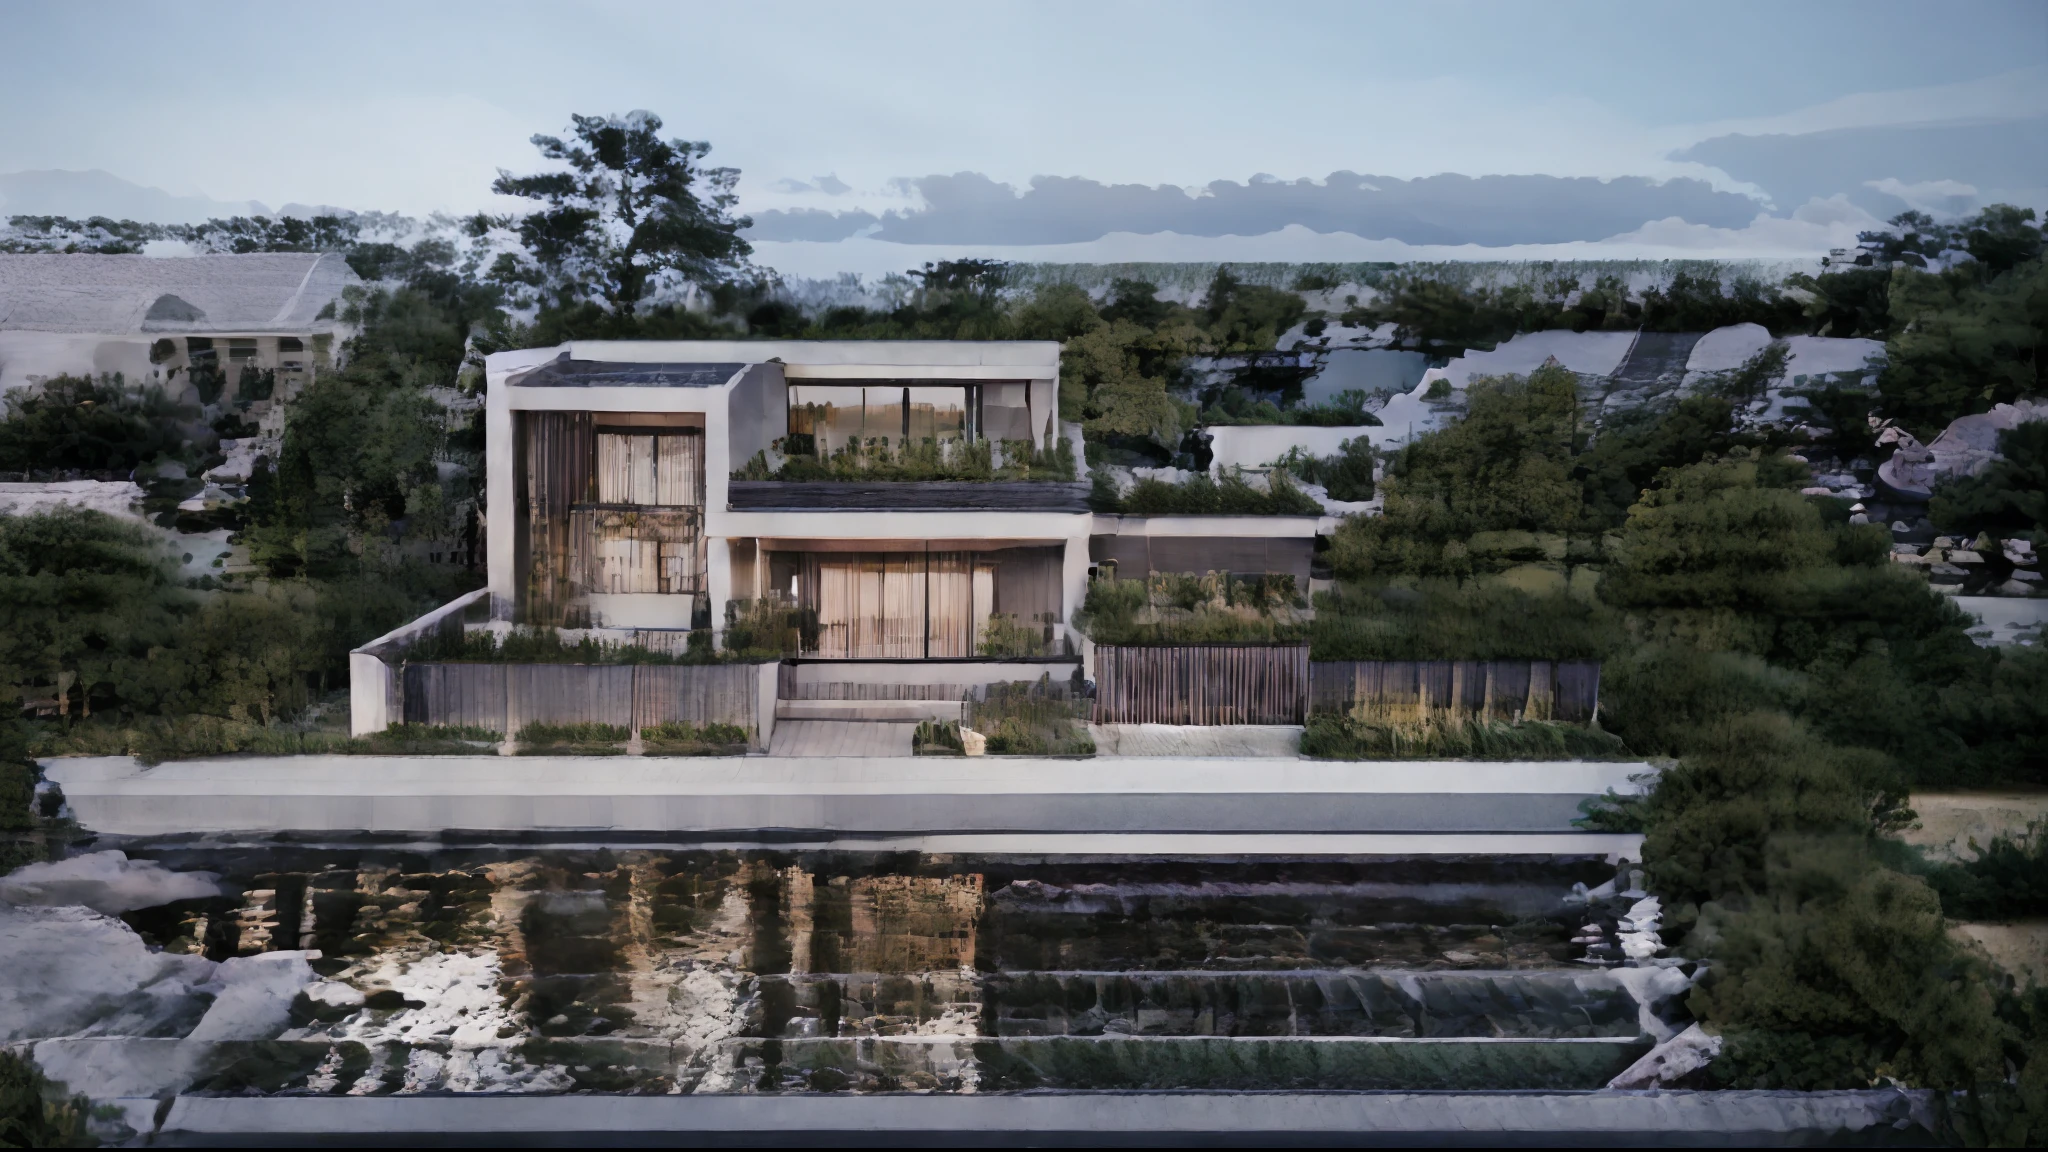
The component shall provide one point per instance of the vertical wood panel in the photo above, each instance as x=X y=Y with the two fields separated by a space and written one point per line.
x=1202 y=684
x=1496 y=689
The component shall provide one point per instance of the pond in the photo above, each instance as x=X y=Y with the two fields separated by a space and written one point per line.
x=375 y=969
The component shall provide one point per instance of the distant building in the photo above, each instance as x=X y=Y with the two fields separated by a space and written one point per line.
x=192 y=324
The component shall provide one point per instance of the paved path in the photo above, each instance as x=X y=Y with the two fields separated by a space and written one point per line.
x=841 y=738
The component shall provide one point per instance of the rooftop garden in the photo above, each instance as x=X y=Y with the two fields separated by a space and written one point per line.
x=876 y=460
x=1233 y=495
x=1216 y=608
x=1347 y=475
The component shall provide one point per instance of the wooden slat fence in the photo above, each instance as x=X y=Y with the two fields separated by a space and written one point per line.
x=1487 y=689
x=506 y=697
x=1202 y=684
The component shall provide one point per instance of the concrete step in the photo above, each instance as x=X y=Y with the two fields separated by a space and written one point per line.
x=811 y=738
x=898 y=711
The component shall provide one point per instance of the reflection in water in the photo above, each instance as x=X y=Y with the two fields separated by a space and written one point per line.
x=693 y=971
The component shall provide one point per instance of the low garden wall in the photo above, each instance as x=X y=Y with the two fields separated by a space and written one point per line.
x=507 y=697
x=1276 y=684
x=1202 y=684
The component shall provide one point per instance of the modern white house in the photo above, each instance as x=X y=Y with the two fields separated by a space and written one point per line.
x=615 y=505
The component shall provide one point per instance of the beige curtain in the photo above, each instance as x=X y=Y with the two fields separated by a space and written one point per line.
x=649 y=469
x=908 y=605
x=952 y=604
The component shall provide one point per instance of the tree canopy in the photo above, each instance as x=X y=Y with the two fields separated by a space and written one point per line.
x=632 y=208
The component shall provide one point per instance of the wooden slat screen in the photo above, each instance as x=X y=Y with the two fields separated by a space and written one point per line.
x=1202 y=684
x=507 y=697
x=1491 y=689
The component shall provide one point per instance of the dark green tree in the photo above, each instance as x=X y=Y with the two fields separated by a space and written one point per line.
x=632 y=209
x=2008 y=497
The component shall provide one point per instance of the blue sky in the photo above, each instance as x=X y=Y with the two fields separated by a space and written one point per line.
x=413 y=106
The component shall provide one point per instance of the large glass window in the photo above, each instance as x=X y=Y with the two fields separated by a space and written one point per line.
x=937 y=413
x=912 y=605
x=645 y=468
x=825 y=418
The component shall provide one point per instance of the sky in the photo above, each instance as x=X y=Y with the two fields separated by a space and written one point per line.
x=414 y=106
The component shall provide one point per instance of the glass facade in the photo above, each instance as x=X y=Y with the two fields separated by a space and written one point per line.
x=912 y=605
x=826 y=418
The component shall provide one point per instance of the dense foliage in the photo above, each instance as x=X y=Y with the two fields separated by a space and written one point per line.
x=632 y=209
x=1199 y=495
x=103 y=425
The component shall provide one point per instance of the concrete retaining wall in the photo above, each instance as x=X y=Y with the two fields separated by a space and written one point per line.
x=881 y=796
x=1153 y=1118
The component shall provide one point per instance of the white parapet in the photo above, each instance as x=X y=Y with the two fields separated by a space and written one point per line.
x=836 y=796
x=371 y=686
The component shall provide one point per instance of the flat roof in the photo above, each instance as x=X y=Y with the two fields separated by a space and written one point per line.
x=567 y=373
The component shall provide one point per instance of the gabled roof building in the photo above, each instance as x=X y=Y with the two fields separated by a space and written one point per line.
x=163 y=319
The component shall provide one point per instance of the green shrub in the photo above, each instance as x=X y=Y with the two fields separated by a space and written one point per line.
x=1834 y=972
x=1452 y=737
x=1440 y=619
x=34 y=1114
x=1345 y=476
x=1005 y=636
x=544 y=645
x=768 y=628
x=2008 y=879
x=75 y=422
x=1216 y=608
x=1201 y=496
x=423 y=740
x=926 y=459
x=1041 y=719
x=678 y=738
x=580 y=739
x=936 y=738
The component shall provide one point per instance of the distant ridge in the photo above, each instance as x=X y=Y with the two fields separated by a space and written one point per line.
x=80 y=195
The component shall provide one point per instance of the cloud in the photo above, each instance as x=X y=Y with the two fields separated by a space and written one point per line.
x=829 y=185
x=1941 y=197
x=971 y=208
x=2016 y=95
x=1798 y=240
x=1998 y=160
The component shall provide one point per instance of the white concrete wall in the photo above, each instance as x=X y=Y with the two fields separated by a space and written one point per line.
x=760 y=412
x=370 y=684
x=844 y=359
x=371 y=687
x=745 y=414
x=767 y=689
x=1060 y=1119
x=831 y=795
